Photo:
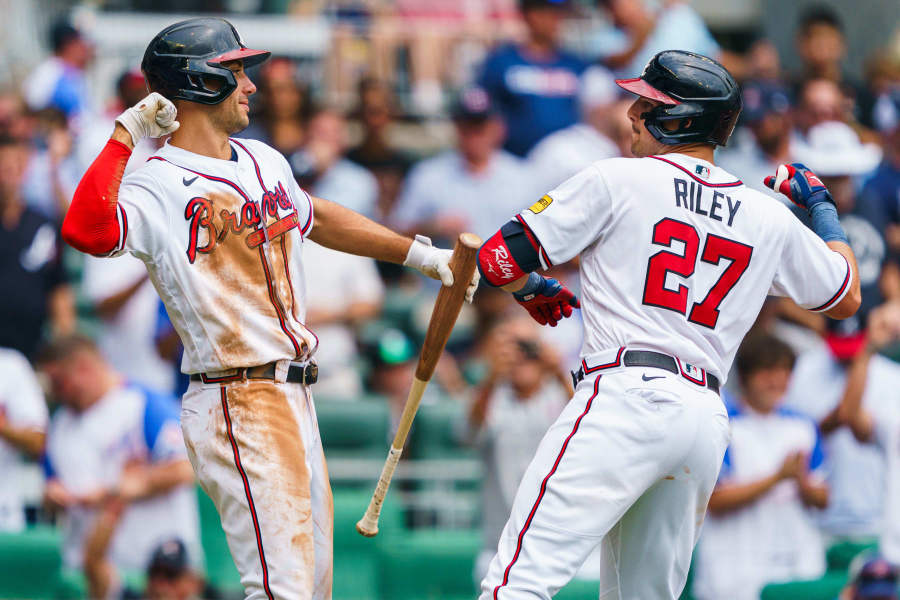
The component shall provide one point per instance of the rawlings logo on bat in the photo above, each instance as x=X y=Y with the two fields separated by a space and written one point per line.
x=200 y=212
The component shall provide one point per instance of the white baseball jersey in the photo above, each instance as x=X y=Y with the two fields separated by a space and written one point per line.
x=87 y=451
x=677 y=256
x=231 y=281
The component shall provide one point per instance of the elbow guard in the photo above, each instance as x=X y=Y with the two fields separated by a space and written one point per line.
x=509 y=254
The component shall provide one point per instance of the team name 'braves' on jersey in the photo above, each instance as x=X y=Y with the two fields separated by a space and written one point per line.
x=667 y=262
x=233 y=289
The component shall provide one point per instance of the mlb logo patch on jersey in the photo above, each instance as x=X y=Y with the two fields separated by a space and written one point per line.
x=702 y=171
x=541 y=204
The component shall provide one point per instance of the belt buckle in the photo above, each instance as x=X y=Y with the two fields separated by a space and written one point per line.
x=310 y=373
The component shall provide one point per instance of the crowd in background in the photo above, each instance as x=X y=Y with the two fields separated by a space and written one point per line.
x=814 y=403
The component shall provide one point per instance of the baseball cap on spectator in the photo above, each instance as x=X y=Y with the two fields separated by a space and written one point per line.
x=876 y=580
x=845 y=338
x=763 y=98
x=833 y=149
x=598 y=88
x=473 y=104
x=393 y=348
x=169 y=560
x=61 y=33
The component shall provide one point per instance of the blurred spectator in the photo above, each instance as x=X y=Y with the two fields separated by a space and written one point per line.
x=170 y=575
x=822 y=377
x=874 y=579
x=763 y=62
x=320 y=167
x=878 y=421
x=342 y=292
x=767 y=118
x=170 y=348
x=59 y=82
x=818 y=101
x=23 y=422
x=15 y=122
x=476 y=188
x=822 y=48
x=111 y=441
x=524 y=392
x=126 y=303
x=567 y=151
x=376 y=111
x=534 y=84
x=53 y=168
x=883 y=187
x=759 y=528
x=283 y=105
x=37 y=292
x=833 y=151
x=92 y=136
x=641 y=32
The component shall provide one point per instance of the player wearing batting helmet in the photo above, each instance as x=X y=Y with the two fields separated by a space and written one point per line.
x=676 y=258
x=220 y=223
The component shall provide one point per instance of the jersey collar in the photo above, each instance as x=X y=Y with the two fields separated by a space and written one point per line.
x=699 y=170
x=180 y=156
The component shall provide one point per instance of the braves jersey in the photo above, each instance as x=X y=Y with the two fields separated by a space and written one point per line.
x=677 y=256
x=222 y=243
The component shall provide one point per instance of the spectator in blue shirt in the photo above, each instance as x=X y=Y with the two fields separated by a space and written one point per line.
x=534 y=84
x=883 y=187
x=59 y=82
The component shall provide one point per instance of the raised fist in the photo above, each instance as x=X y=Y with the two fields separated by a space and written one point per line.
x=154 y=116
x=549 y=302
x=801 y=185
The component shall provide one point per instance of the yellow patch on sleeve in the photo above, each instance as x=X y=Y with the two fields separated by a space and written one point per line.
x=541 y=204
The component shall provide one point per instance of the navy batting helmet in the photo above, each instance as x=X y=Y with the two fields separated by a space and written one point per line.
x=693 y=88
x=185 y=57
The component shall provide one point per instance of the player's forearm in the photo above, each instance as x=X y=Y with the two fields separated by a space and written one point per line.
x=91 y=224
x=730 y=497
x=849 y=304
x=342 y=229
x=61 y=306
x=109 y=307
x=29 y=441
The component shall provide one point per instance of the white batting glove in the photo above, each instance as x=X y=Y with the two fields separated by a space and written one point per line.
x=154 y=116
x=435 y=263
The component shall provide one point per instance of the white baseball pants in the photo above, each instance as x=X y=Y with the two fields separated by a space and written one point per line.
x=255 y=448
x=629 y=464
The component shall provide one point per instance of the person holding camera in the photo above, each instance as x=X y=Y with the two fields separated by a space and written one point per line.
x=522 y=394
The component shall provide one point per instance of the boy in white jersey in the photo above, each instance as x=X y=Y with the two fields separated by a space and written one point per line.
x=220 y=223
x=677 y=257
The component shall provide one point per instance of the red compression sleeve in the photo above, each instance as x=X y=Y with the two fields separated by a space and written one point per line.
x=91 y=224
x=496 y=262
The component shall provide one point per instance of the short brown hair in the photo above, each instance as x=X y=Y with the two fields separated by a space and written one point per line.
x=63 y=348
x=761 y=350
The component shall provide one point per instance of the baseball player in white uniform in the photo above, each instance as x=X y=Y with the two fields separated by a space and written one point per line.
x=677 y=257
x=220 y=224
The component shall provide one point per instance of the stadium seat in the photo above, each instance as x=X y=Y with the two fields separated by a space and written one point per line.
x=356 y=574
x=220 y=570
x=354 y=428
x=430 y=565
x=434 y=432
x=30 y=563
x=839 y=556
x=825 y=588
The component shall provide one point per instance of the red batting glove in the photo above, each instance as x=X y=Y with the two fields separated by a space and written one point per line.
x=549 y=303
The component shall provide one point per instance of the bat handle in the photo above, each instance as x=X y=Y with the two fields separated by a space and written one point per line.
x=368 y=525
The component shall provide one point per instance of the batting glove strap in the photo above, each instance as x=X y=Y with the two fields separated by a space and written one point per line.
x=801 y=185
x=546 y=300
x=154 y=116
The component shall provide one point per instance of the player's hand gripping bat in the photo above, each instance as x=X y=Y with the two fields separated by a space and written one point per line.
x=446 y=309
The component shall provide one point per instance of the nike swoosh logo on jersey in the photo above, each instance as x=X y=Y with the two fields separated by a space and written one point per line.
x=645 y=378
x=188 y=182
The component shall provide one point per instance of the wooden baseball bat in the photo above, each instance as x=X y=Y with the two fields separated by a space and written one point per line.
x=446 y=309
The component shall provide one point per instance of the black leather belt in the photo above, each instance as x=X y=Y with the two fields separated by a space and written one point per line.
x=648 y=358
x=306 y=374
